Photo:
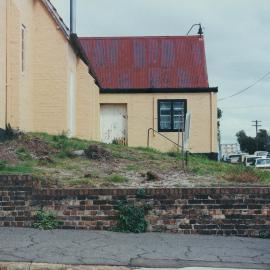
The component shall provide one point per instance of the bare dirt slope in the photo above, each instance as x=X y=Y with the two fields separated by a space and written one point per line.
x=59 y=161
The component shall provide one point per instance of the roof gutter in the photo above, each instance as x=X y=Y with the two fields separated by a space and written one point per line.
x=77 y=47
x=159 y=90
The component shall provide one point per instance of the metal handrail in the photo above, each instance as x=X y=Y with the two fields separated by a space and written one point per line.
x=148 y=137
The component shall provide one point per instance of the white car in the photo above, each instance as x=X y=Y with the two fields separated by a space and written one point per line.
x=235 y=158
x=261 y=154
x=250 y=160
x=262 y=163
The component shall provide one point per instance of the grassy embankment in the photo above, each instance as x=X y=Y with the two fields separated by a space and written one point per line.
x=49 y=159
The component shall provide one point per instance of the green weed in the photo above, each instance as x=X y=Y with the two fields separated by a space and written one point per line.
x=131 y=219
x=46 y=221
x=16 y=169
x=23 y=154
x=116 y=178
x=81 y=182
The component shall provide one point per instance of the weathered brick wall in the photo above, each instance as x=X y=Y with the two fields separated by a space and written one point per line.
x=15 y=199
x=226 y=211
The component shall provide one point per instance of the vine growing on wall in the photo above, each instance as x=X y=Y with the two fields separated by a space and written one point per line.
x=131 y=218
x=46 y=221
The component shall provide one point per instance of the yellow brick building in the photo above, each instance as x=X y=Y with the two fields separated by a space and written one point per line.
x=153 y=83
x=45 y=83
x=102 y=89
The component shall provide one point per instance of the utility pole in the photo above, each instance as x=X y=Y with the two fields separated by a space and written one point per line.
x=256 y=125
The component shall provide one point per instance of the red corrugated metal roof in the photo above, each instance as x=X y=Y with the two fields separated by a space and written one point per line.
x=147 y=62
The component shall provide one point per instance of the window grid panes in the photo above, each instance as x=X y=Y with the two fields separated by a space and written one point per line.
x=171 y=115
x=178 y=115
x=165 y=115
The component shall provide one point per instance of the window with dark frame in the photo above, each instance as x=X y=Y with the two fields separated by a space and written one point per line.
x=23 y=48
x=171 y=115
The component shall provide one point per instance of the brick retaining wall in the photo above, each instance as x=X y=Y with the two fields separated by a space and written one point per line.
x=241 y=211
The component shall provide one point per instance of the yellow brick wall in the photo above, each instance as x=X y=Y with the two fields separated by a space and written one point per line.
x=143 y=114
x=19 y=90
x=2 y=63
x=38 y=98
x=50 y=74
x=87 y=105
x=13 y=63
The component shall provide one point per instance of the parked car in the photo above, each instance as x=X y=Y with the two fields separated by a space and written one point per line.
x=235 y=158
x=261 y=153
x=262 y=163
x=250 y=160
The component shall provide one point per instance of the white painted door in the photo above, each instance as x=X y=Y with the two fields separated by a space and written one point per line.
x=113 y=124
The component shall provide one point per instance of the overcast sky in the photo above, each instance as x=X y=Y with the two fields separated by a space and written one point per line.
x=237 y=36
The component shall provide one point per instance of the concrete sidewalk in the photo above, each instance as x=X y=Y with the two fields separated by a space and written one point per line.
x=133 y=250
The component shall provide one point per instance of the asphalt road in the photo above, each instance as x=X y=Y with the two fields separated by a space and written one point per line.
x=136 y=250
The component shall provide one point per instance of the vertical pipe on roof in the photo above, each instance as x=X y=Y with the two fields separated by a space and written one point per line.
x=72 y=16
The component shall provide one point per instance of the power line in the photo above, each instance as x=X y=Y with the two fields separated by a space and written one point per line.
x=247 y=88
x=246 y=107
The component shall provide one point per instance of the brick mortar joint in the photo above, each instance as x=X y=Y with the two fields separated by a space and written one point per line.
x=151 y=191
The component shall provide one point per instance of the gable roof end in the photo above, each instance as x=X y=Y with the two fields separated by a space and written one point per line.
x=72 y=38
x=57 y=18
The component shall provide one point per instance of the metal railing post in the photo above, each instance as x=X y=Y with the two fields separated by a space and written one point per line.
x=148 y=135
x=155 y=131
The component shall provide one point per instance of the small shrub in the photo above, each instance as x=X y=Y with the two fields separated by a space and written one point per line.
x=174 y=154
x=116 y=178
x=140 y=193
x=9 y=133
x=97 y=152
x=46 y=221
x=61 y=142
x=264 y=234
x=152 y=176
x=131 y=219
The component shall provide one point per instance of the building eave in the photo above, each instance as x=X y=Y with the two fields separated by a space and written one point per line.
x=78 y=49
x=159 y=90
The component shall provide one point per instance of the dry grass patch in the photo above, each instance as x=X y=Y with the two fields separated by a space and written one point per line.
x=50 y=159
